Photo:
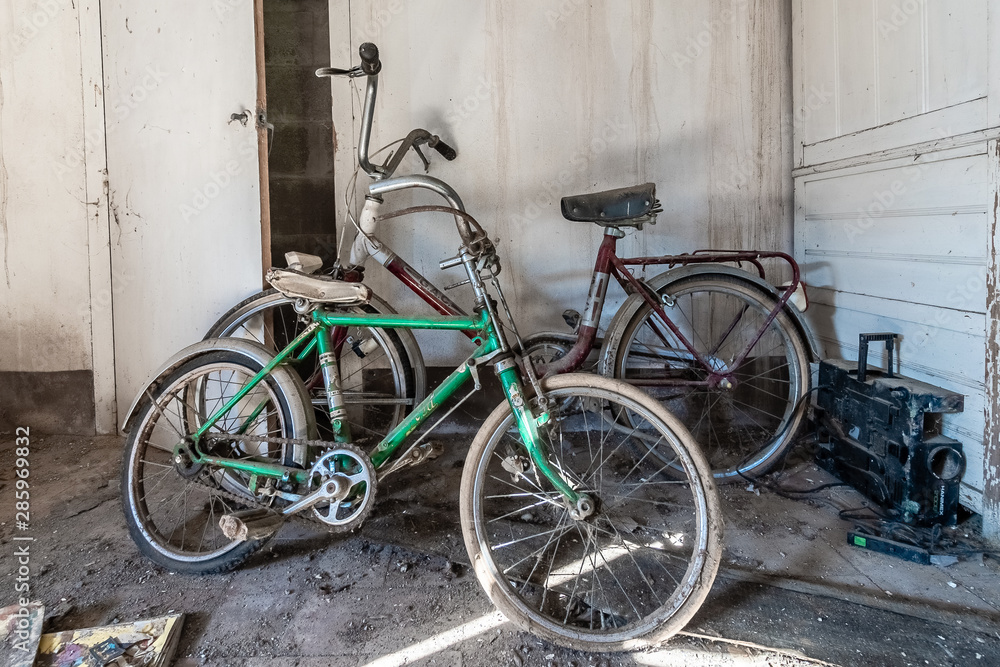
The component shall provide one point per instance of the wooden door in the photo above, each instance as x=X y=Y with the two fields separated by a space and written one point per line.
x=180 y=91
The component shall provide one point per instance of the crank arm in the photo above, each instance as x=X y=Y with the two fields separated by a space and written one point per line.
x=331 y=491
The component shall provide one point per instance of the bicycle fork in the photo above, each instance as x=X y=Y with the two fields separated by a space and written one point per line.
x=580 y=505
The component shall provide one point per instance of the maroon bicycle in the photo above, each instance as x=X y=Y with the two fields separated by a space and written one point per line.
x=720 y=347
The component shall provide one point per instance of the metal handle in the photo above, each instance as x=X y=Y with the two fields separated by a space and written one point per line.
x=863 y=340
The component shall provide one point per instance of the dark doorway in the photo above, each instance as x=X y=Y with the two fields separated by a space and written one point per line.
x=302 y=206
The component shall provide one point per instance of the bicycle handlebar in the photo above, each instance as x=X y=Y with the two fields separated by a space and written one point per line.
x=446 y=264
x=446 y=151
x=336 y=71
x=370 y=67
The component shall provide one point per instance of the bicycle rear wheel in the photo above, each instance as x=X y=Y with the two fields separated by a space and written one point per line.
x=744 y=430
x=377 y=376
x=172 y=507
x=630 y=575
x=543 y=349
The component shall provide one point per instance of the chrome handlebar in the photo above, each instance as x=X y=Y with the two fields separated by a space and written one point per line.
x=370 y=67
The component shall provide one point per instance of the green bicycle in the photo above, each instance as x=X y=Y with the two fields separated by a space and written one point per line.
x=589 y=514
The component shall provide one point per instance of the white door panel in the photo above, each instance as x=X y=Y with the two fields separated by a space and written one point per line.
x=952 y=237
x=900 y=89
x=927 y=185
x=183 y=186
x=956 y=52
x=856 y=82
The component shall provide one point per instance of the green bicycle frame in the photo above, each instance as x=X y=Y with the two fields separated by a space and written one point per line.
x=317 y=334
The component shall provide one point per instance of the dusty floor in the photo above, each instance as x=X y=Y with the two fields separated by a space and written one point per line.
x=399 y=592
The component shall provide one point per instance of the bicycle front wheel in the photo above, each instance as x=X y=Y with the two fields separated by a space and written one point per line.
x=745 y=429
x=634 y=572
x=377 y=376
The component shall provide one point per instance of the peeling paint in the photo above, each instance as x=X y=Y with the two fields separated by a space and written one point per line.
x=642 y=88
x=991 y=435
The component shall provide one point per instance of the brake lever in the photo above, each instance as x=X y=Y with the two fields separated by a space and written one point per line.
x=352 y=73
x=427 y=164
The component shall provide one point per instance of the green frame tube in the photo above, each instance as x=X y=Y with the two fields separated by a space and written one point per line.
x=527 y=426
x=254 y=381
x=433 y=322
x=489 y=342
x=384 y=450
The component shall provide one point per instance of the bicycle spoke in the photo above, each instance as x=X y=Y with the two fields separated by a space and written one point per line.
x=665 y=553
x=601 y=462
x=576 y=581
x=552 y=559
x=164 y=476
x=520 y=510
x=541 y=491
x=537 y=552
x=642 y=484
x=631 y=556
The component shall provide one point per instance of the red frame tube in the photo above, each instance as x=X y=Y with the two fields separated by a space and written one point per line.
x=608 y=262
x=423 y=288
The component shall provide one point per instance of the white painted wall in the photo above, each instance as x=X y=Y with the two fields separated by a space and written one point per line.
x=43 y=211
x=559 y=97
x=893 y=188
x=55 y=258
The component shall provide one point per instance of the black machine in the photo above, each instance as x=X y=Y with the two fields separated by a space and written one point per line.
x=884 y=437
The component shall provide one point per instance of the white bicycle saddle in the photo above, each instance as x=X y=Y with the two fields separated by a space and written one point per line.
x=319 y=289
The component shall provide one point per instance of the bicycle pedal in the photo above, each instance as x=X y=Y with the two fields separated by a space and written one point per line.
x=252 y=524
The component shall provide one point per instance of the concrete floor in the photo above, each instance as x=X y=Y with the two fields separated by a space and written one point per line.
x=791 y=591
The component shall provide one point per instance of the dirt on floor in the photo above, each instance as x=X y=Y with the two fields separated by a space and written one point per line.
x=399 y=591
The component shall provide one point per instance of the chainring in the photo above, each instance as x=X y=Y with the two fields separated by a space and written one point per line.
x=244 y=499
x=350 y=462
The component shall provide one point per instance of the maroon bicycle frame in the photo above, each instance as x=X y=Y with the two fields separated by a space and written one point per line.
x=610 y=264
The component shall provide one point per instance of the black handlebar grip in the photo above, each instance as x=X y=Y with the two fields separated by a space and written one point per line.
x=370 y=63
x=446 y=151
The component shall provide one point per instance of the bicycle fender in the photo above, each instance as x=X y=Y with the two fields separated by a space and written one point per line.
x=632 y=304
x=303 y=417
